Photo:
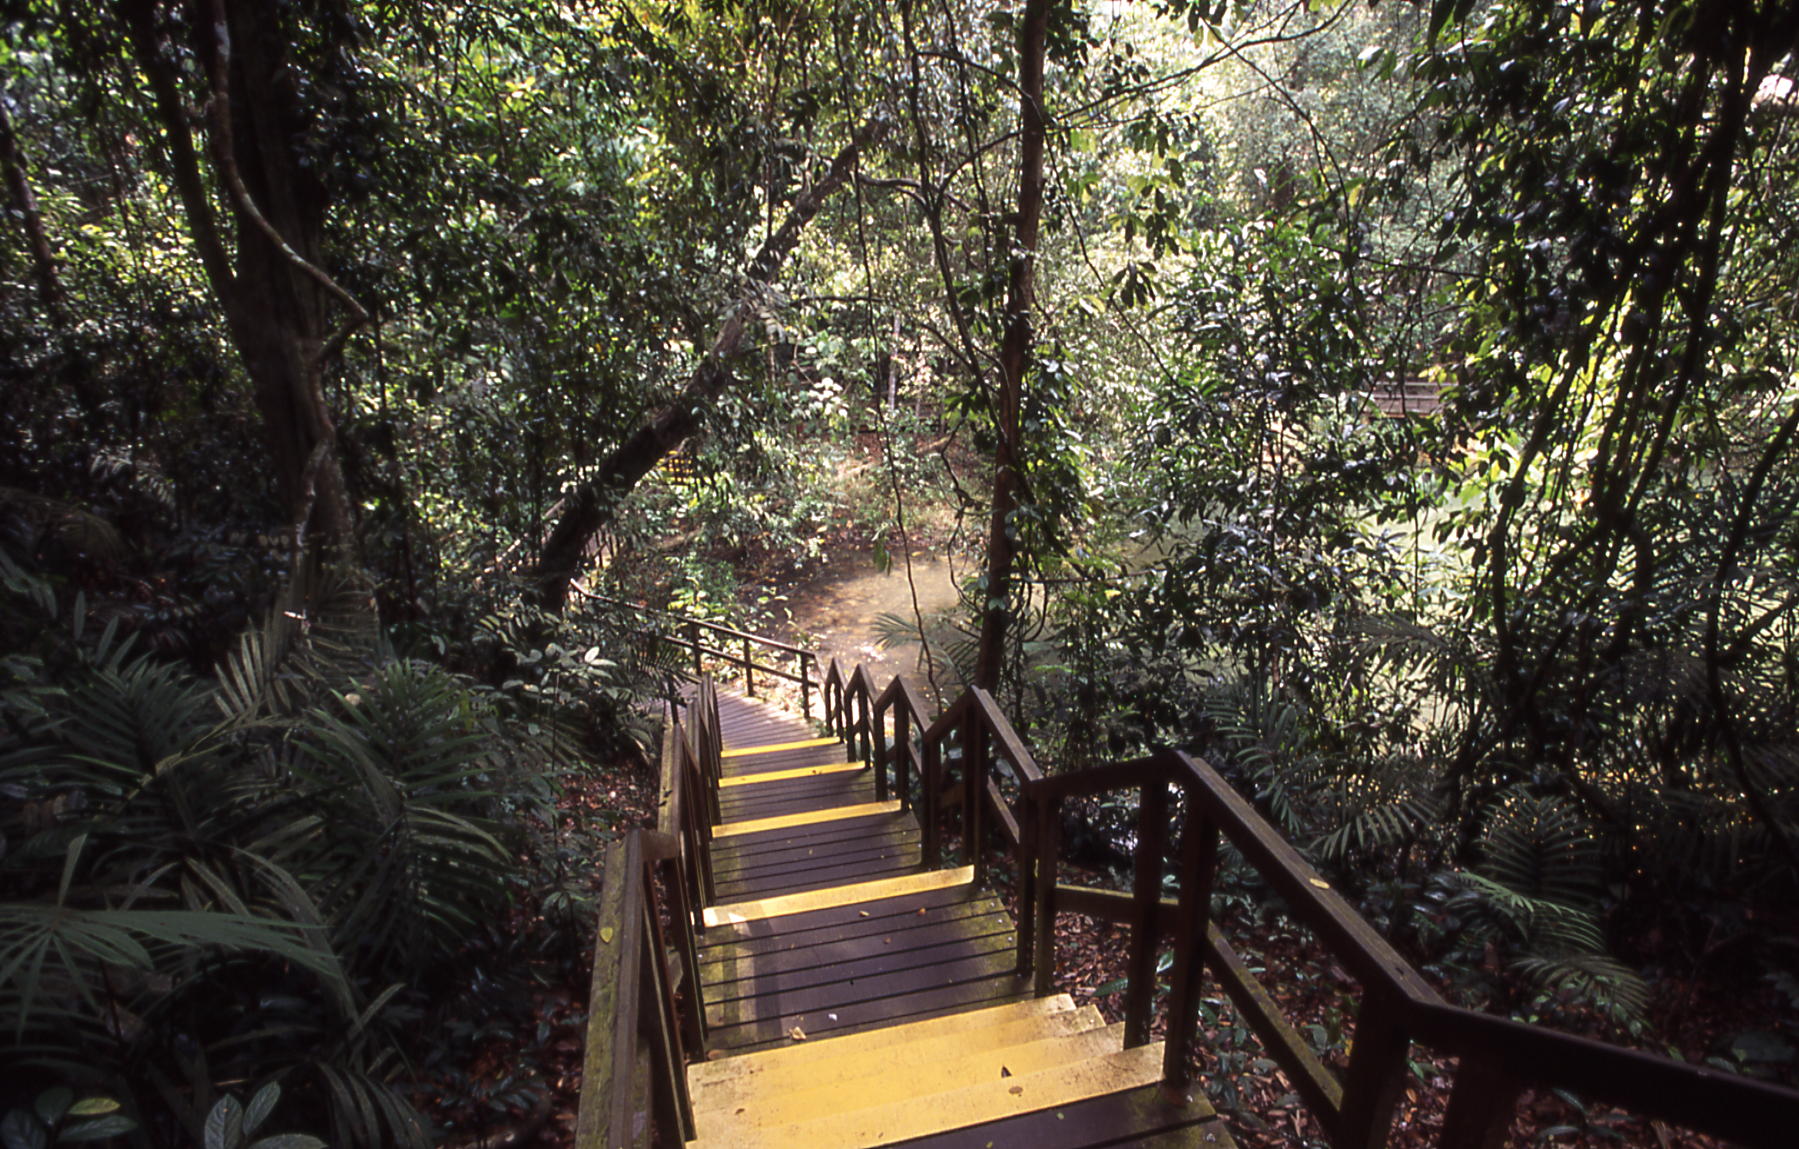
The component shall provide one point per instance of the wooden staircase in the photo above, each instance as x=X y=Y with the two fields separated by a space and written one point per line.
x=792 y=956
x=853 y=999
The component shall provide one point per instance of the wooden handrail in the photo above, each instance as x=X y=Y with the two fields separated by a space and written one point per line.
x=632 y=1013
x=687 y=638
x=1497 y=1057
x=643 y=1011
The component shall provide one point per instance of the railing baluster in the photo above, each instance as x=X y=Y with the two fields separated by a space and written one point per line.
x=902 y=751
x=1027 y=880
x=1152 y=838
x=1482 y=1103
x=1049 y=849
x=1199 y=863
x=933 y=784
x=1376 y=1073
x=880 y=756
x=974 y=792
x=749 y=670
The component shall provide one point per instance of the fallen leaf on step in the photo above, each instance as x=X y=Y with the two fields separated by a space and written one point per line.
x=606 y=934
x=862 y=913
x=1016 y=1089
x=1004 y=1072
x=714 y=1054
x=797 y=1033
x=921 y=911
x=1321 y=883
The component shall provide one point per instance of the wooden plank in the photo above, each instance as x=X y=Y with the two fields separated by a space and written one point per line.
x=785 y=774
x=727 y=851
x=839 y=858
x=1138 y=1116
x=820 y=855
x=846 y=915
x=854 y=893
x=831 y=790
x=872 y=962
x=789 y=821
x=871 y=869
x=821 y=1000
x=976 y=1103
x=878 y=924
x=938 y=938
x=855 y=1016
x=785 y=760
x=776 y=747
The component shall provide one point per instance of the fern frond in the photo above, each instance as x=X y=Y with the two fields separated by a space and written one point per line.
x=1597 y=981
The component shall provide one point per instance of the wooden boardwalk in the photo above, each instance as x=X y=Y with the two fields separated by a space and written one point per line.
x=852 y=998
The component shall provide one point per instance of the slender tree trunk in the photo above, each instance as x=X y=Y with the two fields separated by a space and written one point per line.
x=18 y=184
x=1015 y=350
x=280 y=314
x=592 y=505
x=276 y=300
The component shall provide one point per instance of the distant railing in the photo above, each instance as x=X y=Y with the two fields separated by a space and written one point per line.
x=726 y=646
x=1186 y=811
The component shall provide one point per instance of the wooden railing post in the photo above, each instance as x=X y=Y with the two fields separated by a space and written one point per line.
x=1028 y=856
x=1199 y=865
x=1152 y=838
x=1482 y=1104
x=933 y=802
x=974 y=794
x=749 y=670
x=1049 y=849
x=1376 y=1072
x=902 y=751
x=693 y=639
x=669 y=1100
x=806 y=685
x=880 y=757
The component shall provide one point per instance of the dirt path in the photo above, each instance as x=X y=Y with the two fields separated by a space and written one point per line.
x=841 y=610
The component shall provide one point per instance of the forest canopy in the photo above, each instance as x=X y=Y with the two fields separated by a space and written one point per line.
x=1394 y=403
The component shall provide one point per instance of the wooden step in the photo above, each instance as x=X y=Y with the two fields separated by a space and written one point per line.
x=847 y=1125
x=801 y=1057
x=777 y=747
x=789 y=774
x=1140 y=1118
x=902 y=1072
x=809 y=818
x=833 y=896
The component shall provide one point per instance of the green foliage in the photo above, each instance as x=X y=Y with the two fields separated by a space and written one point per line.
x=247 y=880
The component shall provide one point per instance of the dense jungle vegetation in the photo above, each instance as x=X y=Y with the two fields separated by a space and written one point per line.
x=344 y=344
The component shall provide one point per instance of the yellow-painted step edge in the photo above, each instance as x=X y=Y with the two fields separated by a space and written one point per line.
x=806 y=1063
x=774 y=747
x=940 y=1112
x=831 y=897
x=874 y=1079
x=703 y=1074
x=808 y=818
x=788 y=775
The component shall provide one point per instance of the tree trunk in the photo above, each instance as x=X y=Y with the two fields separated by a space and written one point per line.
x=43 y=259
x=593 y=504
x=279 y=314
x=1015 y=351
x=276 y=300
